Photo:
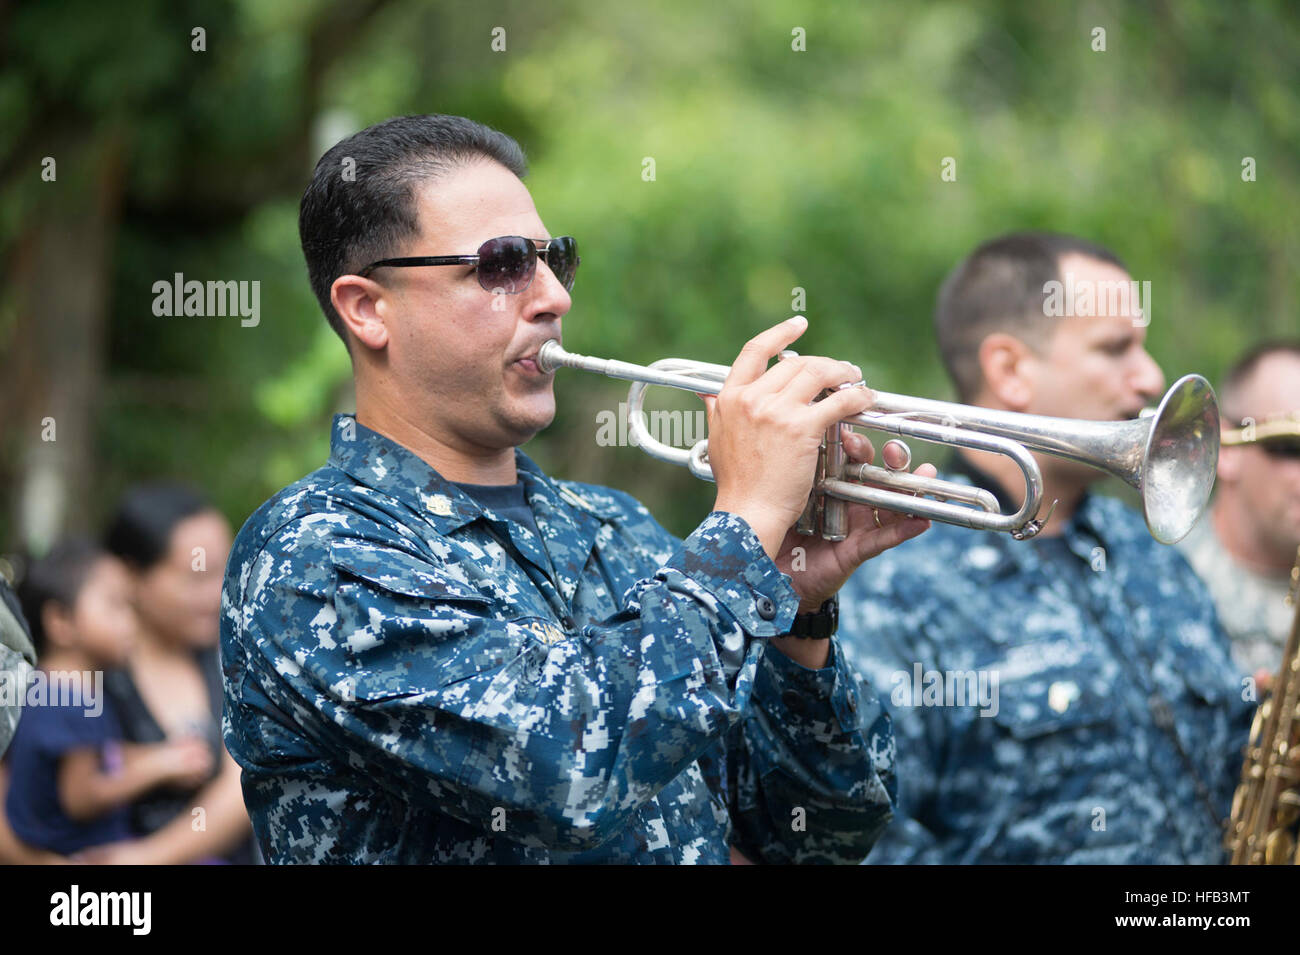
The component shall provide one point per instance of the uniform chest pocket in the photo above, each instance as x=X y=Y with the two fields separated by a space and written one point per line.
x=403 y=627
x=1047 y=688
x=1208 y=686
x=1028 y=709
x=398 y=572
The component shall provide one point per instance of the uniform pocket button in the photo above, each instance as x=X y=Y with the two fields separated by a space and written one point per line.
x=766 y=609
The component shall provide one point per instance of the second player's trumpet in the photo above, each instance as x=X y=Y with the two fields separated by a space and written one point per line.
x=1169 y=455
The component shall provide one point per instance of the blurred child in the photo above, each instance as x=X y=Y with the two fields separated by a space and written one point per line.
x=72 y=775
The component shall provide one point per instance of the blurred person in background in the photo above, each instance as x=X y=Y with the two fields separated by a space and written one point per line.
x=175 y=545
x=1245 y=545
x=73 y=776
x=17 y=657
x=1109 y=720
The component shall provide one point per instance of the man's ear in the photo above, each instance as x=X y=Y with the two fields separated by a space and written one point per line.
x=1004 y=364
x=363 y=305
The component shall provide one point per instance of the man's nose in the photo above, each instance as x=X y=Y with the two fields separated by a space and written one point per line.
x=548 y=294
x=1148 y=379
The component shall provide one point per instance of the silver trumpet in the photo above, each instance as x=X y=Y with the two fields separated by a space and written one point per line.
x=1169 y=454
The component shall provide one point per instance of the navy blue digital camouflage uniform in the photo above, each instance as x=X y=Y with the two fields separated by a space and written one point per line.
x=409 y=678
x=1119 y=718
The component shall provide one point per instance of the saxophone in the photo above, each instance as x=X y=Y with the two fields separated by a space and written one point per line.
x=1266 y=805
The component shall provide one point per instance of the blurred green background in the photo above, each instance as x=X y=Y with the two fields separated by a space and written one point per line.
x=774 y=168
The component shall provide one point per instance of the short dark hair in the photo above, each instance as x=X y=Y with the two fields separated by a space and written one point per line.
x=1243 y=370
x=141 y=530
x=58 y=577
x=347 y=223
x=999 y=288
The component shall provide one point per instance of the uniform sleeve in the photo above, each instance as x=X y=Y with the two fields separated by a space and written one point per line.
x=811 y=765
x=14 y=673
x=396 y=669
x=14 y=634
x=17 y=657
x=909 y=840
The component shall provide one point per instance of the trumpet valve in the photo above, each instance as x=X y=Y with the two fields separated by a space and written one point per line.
x=835 y=513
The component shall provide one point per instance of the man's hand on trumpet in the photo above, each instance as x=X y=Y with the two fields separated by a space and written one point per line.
x=828 y=564
x=765 y=430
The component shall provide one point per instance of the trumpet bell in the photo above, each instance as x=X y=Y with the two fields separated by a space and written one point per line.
x=1181 y=458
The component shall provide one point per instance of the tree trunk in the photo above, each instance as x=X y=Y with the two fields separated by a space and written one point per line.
x=60 y=276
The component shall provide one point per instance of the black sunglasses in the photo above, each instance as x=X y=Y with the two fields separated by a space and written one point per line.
x=1281 y=447
x=1278 y=436
x=505 y=264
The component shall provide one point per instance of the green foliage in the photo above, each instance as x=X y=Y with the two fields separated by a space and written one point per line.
x=774 y=169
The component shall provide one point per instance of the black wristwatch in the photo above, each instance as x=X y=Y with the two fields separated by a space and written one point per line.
x=818 y=625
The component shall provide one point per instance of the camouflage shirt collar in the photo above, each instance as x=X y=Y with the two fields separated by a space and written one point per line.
x=1082 y=532
x=379 y=462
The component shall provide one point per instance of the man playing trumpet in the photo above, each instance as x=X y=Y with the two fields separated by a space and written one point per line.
x=434 y=652
x=1063 y=699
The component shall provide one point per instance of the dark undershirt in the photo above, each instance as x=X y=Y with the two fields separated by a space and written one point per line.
x=505 y=500
x=960 y=464
x=1052 y=549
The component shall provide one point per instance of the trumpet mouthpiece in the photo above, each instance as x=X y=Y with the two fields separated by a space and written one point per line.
x=549 y=356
